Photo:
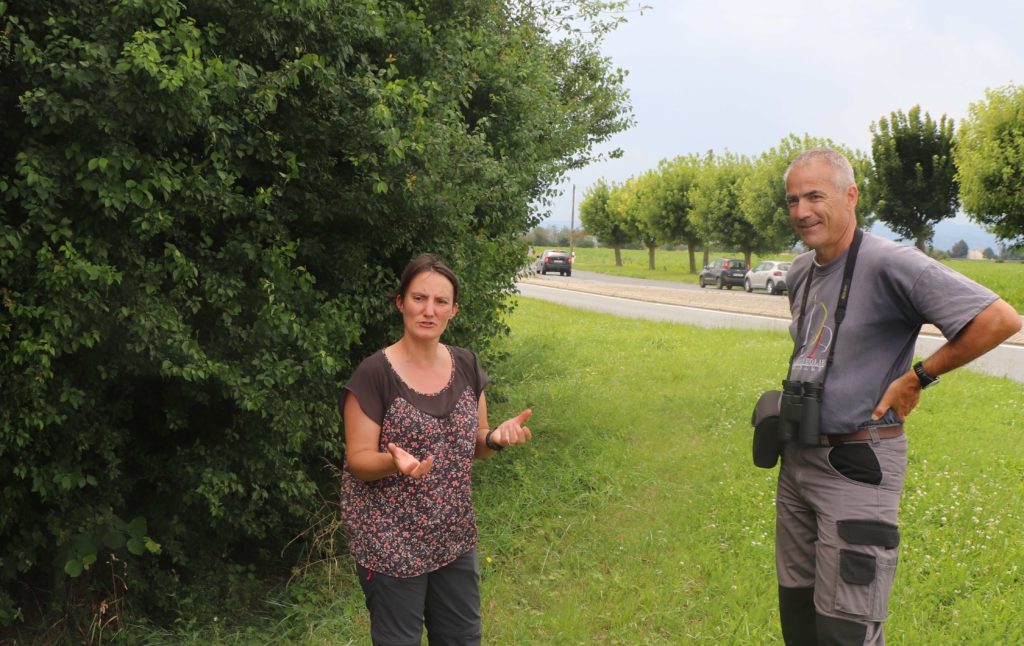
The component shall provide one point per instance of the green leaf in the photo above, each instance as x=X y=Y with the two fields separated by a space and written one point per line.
x=73 y=568
x=136 y=546
x=137 y=527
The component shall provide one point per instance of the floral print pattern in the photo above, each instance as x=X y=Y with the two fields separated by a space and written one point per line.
x=405 y=527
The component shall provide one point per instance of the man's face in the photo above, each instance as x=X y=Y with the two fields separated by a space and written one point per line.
x=821 y=214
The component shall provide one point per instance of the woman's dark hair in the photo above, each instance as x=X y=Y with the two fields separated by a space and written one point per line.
x=426 y=262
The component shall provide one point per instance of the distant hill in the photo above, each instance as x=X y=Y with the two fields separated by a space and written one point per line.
x=949 y=232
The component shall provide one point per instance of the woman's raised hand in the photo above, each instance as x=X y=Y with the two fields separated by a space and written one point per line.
x=512 y=431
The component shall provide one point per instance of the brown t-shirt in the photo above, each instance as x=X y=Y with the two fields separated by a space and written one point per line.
x=401 y=526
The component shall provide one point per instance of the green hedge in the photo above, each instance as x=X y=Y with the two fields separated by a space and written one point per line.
x=203 y=209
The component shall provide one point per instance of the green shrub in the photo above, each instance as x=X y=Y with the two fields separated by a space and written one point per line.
x=203 y=209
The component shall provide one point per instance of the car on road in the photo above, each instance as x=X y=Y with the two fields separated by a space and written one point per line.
x=554 y=260
x=723 y=272
x=769 y=275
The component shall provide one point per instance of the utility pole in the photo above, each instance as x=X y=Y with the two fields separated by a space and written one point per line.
x=572 y=224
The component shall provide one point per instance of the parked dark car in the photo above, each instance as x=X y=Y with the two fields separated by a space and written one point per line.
x=554 y=260
x=769 y=275
x=724 y=272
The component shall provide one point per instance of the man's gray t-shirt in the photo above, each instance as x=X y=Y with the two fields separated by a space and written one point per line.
x=895 y=289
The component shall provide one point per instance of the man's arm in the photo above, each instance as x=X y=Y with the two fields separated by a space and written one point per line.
x=993 y=325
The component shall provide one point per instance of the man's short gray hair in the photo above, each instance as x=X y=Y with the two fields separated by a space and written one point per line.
x=842 y=171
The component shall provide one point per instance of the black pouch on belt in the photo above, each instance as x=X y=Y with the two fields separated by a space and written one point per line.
x=765 y=420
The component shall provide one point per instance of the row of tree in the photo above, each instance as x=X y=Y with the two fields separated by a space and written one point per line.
x=919 y=173
x=723 y=200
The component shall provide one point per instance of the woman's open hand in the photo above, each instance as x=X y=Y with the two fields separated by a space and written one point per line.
x=409 y=465
x=512 y=431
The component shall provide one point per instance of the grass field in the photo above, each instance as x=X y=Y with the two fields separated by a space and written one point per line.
x=636 y=517
x=1004 y=278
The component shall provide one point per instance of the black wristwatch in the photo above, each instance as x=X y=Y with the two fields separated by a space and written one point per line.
x=922 y=376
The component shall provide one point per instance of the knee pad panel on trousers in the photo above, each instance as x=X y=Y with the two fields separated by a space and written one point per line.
x=833 y=631
x=797 y=615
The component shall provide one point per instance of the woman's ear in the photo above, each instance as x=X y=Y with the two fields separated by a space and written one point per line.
x=398 y=302
x=455 y=310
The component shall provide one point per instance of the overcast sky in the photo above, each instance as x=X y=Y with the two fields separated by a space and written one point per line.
x=743 y=74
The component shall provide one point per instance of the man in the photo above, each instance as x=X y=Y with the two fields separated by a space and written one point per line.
x=839 y=491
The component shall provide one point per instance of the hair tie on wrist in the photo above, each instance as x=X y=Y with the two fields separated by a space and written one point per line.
x=490 y=443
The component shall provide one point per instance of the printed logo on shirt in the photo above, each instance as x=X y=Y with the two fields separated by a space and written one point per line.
x=817 y=339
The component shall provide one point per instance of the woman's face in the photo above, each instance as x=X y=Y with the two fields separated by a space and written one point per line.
x=427 y=305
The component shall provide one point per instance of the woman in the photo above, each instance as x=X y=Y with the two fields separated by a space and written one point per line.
x=415 y=418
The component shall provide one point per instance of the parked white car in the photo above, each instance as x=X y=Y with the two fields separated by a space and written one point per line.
x=769 y=275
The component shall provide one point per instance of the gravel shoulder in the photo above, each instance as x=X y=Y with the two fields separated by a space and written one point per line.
x=734 y=300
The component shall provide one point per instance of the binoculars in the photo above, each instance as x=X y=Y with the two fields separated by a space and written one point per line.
x=800 y=412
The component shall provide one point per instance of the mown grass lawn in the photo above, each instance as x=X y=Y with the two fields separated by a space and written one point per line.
x=636 y=516
x=1004 y=278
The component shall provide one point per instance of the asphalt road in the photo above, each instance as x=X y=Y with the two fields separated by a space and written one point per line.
x=651 y=310
x=711 y=308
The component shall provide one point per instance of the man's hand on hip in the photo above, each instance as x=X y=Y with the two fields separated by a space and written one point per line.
x=902 y=396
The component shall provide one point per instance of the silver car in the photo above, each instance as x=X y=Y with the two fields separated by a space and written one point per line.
x=769 y=275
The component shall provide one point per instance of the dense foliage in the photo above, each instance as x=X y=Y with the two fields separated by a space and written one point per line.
x=914 y=178
x=602 y=220
x=203 y=208
x=716 y=212
x=990 y=163
x=670 y=207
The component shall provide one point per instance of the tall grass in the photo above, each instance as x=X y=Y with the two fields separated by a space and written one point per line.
x=1004 y=278
x=636 y=516
x=673 y=543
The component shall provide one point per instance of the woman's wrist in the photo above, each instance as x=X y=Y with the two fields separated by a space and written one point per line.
x=491 y=444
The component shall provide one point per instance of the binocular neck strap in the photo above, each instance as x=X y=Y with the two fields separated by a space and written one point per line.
x=844 y=297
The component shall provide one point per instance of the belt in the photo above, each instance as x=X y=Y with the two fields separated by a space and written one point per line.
x=864 y=433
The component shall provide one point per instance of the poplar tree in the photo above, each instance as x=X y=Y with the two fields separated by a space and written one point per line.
x=915 y=183
x=990 y=163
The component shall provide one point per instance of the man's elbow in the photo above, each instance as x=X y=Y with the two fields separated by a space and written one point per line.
x=1004 y=319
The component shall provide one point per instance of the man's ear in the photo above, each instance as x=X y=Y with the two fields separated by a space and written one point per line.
x=852 y=196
